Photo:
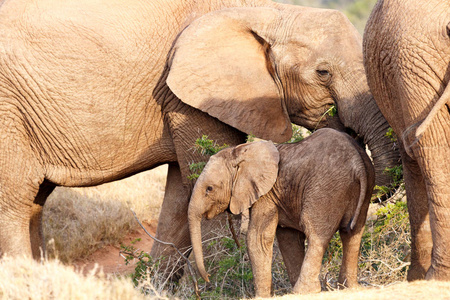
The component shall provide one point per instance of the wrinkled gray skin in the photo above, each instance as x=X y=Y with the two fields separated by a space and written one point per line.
x=308 y=190
x=93 y=91
x=407 y=55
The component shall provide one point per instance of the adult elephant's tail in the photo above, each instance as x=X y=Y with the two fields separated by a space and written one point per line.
x=442 y=101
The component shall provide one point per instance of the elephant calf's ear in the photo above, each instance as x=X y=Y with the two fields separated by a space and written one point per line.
x=220 y=66
x=257 y=170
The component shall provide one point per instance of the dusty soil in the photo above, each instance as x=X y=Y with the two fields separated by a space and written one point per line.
x=109 y=260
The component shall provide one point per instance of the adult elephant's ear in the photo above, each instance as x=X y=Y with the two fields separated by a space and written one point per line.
x=256 y=166
x=221 y=65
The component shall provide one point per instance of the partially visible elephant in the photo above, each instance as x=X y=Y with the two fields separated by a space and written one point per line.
x=93 y=91
x=407 y=56
x=308 y=190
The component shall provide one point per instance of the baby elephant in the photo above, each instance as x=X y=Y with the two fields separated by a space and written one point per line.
x=308 y=190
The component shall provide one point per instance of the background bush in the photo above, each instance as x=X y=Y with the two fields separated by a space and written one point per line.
x=357 y=11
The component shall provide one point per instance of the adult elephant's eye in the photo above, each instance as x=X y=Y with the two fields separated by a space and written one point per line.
x=323 y=73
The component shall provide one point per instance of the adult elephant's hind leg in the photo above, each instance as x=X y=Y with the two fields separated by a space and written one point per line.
x=20 y=178
x=421 y=241
x=435 y=164
x=36 y=231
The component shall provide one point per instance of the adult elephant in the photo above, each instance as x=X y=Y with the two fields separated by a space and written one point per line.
x=407 y=55
x=94 y=91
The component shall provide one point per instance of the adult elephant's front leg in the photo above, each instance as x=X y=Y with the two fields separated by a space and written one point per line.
x=36 y=231
x=421 y=242
x=20 y=178
x=173 y=225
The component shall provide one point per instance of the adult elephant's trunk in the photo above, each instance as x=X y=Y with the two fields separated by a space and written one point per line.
x=358 y=111
x=195 y=229
x=384 y=150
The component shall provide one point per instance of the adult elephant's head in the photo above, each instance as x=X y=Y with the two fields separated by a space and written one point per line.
x=259 y=69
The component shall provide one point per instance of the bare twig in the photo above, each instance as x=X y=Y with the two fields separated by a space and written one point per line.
x=233 y=232
x=190 y=268
x=387 y=265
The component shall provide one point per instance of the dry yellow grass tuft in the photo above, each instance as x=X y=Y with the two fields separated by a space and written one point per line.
x=29 y=279
x=78 y=221
x=415 y=290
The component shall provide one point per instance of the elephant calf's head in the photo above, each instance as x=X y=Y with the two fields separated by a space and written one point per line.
x=234 y=178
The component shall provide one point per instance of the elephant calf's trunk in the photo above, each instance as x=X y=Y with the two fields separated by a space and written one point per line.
x=196 y=239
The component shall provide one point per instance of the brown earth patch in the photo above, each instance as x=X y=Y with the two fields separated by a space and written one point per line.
x=108 y=259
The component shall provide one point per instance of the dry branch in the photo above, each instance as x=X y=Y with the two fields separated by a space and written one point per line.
x=233 y=232
x=190 y=268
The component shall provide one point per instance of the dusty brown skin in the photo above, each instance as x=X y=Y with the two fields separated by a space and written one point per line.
x=93 y=91
x=324 y=184
x=407 y=55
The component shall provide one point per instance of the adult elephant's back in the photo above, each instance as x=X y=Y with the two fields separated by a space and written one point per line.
x=80 y=78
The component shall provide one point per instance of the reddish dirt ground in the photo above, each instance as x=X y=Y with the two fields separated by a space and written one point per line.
x=109 y=259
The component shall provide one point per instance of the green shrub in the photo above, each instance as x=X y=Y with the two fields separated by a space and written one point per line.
x=206 y=147
x=298 y=133
x=396 y=173
x=385 y=248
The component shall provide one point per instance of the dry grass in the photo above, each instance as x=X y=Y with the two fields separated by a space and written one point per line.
x=385 y=249
x=78 y=221
x=403 y=291
x=27 y=279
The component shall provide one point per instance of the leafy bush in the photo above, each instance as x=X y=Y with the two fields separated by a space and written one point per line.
x=206 y=147
x=385 y=248
x=231 y=274
x=298 y=134
x=397 y=186
x=148 y=275
x=229 y=267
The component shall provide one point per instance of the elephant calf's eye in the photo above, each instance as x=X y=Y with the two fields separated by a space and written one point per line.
x=209 y=188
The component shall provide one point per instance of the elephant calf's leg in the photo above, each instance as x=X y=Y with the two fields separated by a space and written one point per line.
x=292 y=247
x=351 y=242
x=260 y=239
x=308 y=281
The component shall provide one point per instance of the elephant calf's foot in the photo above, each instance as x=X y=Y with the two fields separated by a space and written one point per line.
x=416 y=272
x=441 y=274
x=310 y=287
x=348 y=283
